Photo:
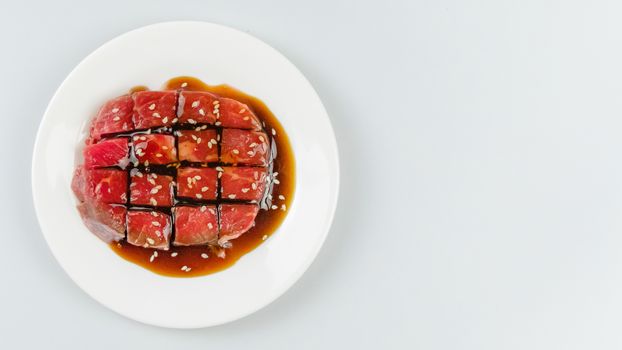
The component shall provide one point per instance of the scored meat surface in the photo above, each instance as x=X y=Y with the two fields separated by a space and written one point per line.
x=166 y=168
x=195 y=225
x=107 y=153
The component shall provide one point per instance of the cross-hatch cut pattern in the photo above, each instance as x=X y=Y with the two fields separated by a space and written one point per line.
x=174 y=167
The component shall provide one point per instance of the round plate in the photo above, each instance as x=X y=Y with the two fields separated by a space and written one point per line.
x=150 y=56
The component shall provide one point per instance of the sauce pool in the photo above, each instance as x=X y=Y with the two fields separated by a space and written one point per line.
x=169 y=263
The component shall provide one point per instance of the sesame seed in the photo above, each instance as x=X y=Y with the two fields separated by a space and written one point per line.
x=219 y=175
x=219 y=168
x=165 y=120
x=151 y=181
x=204 y=189
x=154 y=191
x=155 y=253
x=116 y=119
x=246 y=118
x=218 y=137
x=283 y=207
x=261 y=138
x=273 y=132
x=201 y=111
x=252 y=144
x=217 y=123
x=216 y=102
x=203 y=208
x=212 y=211
x=244 y=190
x=150 y=240
x=184 y=268
x=209 y=145
x=275 y=174
x=195 y=104
x=204 y=256
x=242 y=110
x=231 y=196
x=115 y=110
x=156 y=114
x=254 y=186
x=153 y=201
x=264 y=237
x=174 y=120
x=194 y=137
x=281 y=197
x=143 y=138
x=158 y=155
x=174 y=254
x=165 y=147
x=198 y=195
x=155 y=176
x=155 y=223
x=198 y=140
x=184 y=84
x=197 y=177
x=188 y=269
x=152 y=106
x=210 y=226
x=250 y=153
x=153 y=213
x=151 y=258
x=274 y=207
x=192 y=121
x=235 y=151
x=135 y=138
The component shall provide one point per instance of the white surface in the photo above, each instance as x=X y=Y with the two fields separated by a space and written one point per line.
x=138 y=58
x=494 y=127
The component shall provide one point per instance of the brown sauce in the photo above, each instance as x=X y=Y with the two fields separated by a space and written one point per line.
x=266 y=222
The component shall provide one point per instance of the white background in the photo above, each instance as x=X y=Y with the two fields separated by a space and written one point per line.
x=481 y=196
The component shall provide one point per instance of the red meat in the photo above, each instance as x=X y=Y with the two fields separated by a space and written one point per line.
x=114 y=117
x=155 y=149
x=106 y=221
x=243 y=183
x=197 y=107
x=107 y=153
x=100 y=185
x=197 y=183
x=235 y=114
x=244 y=147
x=154 y=109
x=151 y=189
x=198 y=146
x=195 y=225
x=235 y=220
x=149 y=229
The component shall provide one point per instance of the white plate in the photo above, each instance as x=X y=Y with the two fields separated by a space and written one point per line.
x=150 y=56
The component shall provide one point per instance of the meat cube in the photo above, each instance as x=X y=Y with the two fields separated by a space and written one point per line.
x=197 y=183
x=100 y=185
x=151 y=189
x=243 y=183
x=155 y=149
x=154 y=109
x=106 y=221
x=115 y=116
x=244 y=147
x=198 y=146
x=235 y=219
x=149 y=229
x=195 y=225
x=235 y=114
x=113 y=152
x=197 y=107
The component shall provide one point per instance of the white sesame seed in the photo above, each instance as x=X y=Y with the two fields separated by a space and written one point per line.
x=150 y=240
x=242 y=110
x=275 y=174
x=174 y=120
x=281 y=197
x=254 y=186
x=165 y=147
x=153 y=213
x=194 y=137
x=283 y=207
x=143 y=138
x=212 y=211
x=174 y=254
x=276 y=182
x=195 y=104
x=188 y=269
x=151 y=258
x=155 y=253
x=246 y=118
x=198 y=195
x=252 y=144
x=116 y=119
x=151 y=181
x=154 y=191
x=213 y=141
x=201 y=111
x=250 y=153
x=158 y=155
x=231 y=196
x=153 y=201
x=197 y=177
x=235 y=151
x=155 y=223
x=203 y=208
x=184 y=268
x=261 y=138
x=264 y=237
x=198 y=140
x=204 y=189
x=209 y=145
x=152 y=106
x=210 y=226
x=192 y=121
x=219 y=168
x=165 y=120
x=115 y=110
x=218 y=137
x=216 y=102
x=244 y=190
x=204 y=256
x=184 y=84
x=156 y=114
x=219 y=174
x=273 y=132
x=135 y=138
x=217 y=123
x=274 y=207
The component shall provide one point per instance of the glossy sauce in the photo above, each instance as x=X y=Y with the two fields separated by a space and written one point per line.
x=266 y=222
